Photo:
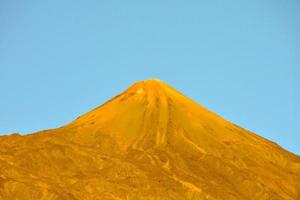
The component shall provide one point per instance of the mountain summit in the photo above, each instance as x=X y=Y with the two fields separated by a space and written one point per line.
x=150 y=142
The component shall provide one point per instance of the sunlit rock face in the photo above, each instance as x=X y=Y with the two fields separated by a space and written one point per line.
x=150 y=142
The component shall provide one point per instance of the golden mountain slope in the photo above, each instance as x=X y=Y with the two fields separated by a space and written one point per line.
x=150 y=142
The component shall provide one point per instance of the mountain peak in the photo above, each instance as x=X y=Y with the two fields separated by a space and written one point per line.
x=153 y=80
x=149 y=80
x=149 y=142
x=153 y=91
x=148 y=85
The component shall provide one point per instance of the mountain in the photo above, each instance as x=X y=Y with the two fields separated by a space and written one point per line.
x=150 y=142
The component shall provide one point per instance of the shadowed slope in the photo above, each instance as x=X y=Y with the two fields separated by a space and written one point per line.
x=150 y=142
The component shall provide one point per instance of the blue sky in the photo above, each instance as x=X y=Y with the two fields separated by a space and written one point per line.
x=240 y=59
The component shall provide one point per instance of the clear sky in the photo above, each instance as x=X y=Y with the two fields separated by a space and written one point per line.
x=240 y=59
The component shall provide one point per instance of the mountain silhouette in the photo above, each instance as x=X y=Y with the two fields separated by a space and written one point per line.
x=150 y=142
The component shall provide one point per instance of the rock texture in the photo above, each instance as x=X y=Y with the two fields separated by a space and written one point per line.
x=150 y=142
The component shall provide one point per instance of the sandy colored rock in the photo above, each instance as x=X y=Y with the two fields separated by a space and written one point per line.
x=150 y=142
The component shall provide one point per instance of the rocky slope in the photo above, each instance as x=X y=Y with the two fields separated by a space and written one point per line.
x=150 y=142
